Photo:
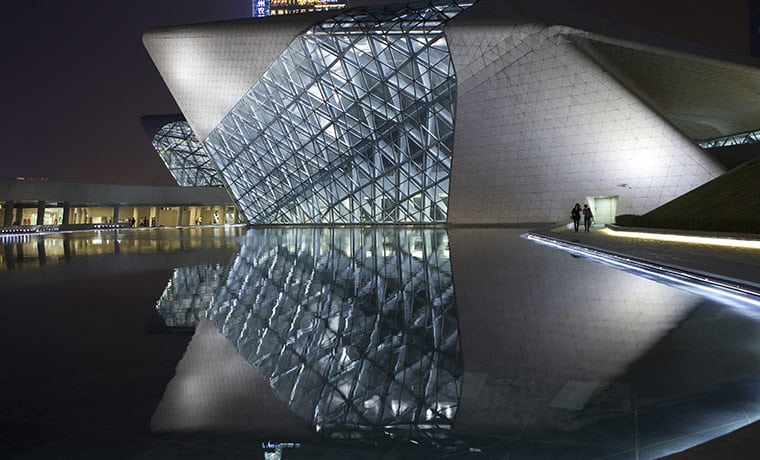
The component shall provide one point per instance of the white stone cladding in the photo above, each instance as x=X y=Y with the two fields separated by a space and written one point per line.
x=546 y=115
x=209 y=67
x=540 y=126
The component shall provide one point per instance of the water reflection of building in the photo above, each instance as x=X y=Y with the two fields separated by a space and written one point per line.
x=34 y=260
x=556 y=351
x=188 y=294
x=356 y=329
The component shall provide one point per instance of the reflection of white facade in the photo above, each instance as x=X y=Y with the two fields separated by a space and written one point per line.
x=456 y=111
x=517 y=348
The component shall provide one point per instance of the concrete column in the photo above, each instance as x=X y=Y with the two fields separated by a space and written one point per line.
x=115 y=218
x=8 y=208
x=66 y=213
x=40 y=212
x=19 y=215
x=179 y=216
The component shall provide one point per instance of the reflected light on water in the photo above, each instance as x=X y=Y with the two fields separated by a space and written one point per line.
x=721 y=291
x=359 y=340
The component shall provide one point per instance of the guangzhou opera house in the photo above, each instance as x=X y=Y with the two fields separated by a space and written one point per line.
x=451 y=111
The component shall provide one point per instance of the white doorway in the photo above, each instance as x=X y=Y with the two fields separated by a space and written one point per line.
x=604 y=209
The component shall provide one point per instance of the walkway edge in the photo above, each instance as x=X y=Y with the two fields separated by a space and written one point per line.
x=737 y=286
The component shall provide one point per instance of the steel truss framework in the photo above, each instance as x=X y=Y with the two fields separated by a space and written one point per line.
x=750 y=137
x=184 y=156
x=356 y=329
x=354 y=122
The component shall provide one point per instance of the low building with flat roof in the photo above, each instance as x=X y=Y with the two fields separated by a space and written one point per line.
x=61 y=205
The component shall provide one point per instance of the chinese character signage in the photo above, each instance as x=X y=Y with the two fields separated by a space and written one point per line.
x=260 y=8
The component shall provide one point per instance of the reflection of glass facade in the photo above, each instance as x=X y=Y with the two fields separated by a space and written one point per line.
x=185 y=156
x=353 y=123
x=356 y=329
x=188 y=294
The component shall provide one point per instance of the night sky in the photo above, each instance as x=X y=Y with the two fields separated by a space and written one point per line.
x=76 y=78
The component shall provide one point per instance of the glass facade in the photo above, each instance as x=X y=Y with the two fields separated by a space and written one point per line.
x=184 y=156
x=751 y=137
x=353 y=123
x=356 y=329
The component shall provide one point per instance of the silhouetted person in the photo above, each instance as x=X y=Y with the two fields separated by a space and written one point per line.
x=576 y=215
x=587 y=216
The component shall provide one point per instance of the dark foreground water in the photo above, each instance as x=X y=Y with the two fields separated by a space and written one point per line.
x=344 y=343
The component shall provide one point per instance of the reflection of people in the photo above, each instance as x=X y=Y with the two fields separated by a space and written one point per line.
x=587 y=216
x=576 y=216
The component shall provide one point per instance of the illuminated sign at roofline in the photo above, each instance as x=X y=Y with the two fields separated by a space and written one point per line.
x=260 y=8
x=263 y=8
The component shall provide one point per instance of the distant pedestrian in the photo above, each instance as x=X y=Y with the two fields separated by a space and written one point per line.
x=587 y=216
x=576 y=216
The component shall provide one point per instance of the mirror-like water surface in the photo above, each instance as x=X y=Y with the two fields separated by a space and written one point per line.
x=340 y=342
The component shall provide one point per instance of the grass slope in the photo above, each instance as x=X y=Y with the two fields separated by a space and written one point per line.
x=729 y=203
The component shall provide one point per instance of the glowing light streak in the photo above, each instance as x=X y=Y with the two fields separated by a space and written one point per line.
x=714 y=241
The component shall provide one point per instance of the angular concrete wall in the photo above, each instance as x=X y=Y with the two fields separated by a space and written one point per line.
x=540 y=126
x=209 y=67
x=546 y=115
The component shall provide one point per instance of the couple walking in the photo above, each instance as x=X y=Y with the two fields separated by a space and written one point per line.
x=576 y=215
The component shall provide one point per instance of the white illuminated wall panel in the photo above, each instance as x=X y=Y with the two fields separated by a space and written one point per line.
x=541 y=126
x=209 y=67
x=362 y=117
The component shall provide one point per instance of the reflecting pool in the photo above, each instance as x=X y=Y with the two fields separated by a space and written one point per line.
x=371 y=342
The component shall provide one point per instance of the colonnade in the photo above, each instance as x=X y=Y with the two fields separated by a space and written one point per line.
x=45 y=213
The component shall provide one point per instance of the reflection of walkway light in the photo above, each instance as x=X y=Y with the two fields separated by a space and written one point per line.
x=273 y=451
x=730 y=242
x=720 y=291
